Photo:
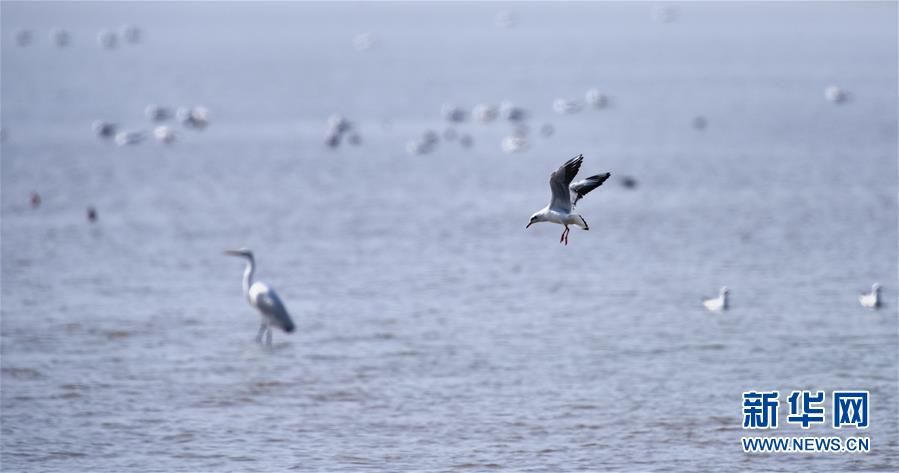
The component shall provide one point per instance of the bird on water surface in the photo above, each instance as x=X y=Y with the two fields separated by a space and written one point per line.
x=871 y=300
x=263 y=298
x=717 y=304
x=565 y=196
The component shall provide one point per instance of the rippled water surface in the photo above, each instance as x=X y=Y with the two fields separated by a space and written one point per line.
x=434 y=332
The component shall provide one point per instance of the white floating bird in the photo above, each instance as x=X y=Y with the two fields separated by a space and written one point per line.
x=196 y=117
x=164 y=134
x=565 y=195
x=264 y=299
x=717 y=304
x=871 y=300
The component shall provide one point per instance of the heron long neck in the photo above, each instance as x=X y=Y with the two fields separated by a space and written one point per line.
x=248 y=275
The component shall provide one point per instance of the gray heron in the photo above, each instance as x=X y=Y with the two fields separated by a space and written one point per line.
x=264 y=299
x=565 y=195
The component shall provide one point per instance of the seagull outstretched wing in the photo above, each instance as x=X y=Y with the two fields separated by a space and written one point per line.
x=559 y=181
x=581 y=188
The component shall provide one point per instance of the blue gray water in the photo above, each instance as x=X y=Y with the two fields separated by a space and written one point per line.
x=434 y=332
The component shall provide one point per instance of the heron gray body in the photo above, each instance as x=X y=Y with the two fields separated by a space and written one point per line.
x=264 y=299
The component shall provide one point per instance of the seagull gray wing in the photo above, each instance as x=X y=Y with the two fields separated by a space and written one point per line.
x=559 y=181
x=581 y=188
x=270 y=304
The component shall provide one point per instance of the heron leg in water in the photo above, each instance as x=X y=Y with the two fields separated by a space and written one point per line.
x=268 y=337
x=261 y=332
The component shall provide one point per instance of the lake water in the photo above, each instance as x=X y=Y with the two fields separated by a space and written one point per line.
x=434 y=332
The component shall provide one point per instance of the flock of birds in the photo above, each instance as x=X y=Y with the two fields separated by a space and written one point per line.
x=192 y=118
x=106 y=38
x=195 y=118
x=869 y=300
x=506 y=111
x=565 y=192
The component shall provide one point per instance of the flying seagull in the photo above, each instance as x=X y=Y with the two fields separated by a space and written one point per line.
x=871 y=300
x=717 y=304
x=264 y=299
x=565 y=195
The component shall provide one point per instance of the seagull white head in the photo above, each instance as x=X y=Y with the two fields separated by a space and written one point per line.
x=242 y=252
x=536 y=218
